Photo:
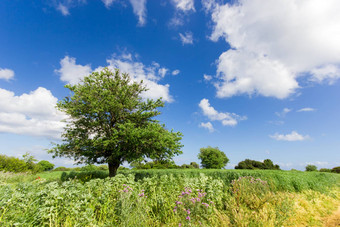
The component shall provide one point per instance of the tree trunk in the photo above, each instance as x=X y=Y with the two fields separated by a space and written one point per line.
x=113 y=167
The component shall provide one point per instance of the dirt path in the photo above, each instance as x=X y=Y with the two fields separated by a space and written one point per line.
x=333 y=220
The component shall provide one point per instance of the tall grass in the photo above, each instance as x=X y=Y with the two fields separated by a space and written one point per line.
x=165 y=199
x=292 y=181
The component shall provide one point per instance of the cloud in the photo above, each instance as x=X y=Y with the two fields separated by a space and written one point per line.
x=293 y=136
x=64 y=6
x=31 y=114
x=6 y=74
x=207 y=77
x=283 y=113
x=208 y=126
x=63 y=9
x=70 y=72
x=175 y=72
x=307 y=109
x=108 y=3
x=184 y=5
x=139 y=9
x=186 y=38
x=227 y=119
x=273 y=43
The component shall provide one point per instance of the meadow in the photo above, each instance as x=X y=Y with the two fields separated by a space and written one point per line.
x=190 y=197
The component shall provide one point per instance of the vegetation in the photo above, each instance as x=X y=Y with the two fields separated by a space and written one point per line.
x=26 y=164
x=311 y=168
x=252 y=164
x=336 y=169
x=170 y=199
x=45 y=165
x=212 y=158
x=111 y=123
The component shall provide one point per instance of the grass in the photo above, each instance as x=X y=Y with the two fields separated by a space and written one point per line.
x=170 y=198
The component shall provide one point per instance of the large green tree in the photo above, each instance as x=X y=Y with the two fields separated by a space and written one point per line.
x=110 y=123
x=212 y=158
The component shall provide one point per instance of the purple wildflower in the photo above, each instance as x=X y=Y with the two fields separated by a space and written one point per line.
x=188 y=218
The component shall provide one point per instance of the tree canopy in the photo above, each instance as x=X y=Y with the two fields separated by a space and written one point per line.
x=252 y=164
x=109 y=122
x=212 y=158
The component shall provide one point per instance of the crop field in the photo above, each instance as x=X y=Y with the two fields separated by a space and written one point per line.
x=170 y=198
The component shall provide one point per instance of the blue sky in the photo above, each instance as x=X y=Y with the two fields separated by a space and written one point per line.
x=257 y=78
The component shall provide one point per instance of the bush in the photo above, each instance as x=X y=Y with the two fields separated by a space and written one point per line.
x=311 y=168
x=84 y=176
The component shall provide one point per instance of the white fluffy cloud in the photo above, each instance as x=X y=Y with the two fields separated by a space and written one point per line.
x=273 y=43
x=227 y=119
x=307 y=109
x=139 y=9
x=208 y=126
x=184 y=5
x=6 y=74
x=186 y=38
x=30 y=114
x=293 y=136
x=72 y=73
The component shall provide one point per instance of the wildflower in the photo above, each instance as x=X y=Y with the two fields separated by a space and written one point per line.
x=175 y=210
x=141 y=194
x=188 y=211
x=188 y=218
x=179 y=224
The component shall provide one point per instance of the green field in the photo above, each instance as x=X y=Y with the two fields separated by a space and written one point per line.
x=169 y=198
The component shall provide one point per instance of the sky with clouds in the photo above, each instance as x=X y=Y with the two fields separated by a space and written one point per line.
x=257 y=78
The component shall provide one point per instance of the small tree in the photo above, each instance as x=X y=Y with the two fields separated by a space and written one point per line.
x=111 y=123
x=311 y=168
x=212 y=158
x=45 y=165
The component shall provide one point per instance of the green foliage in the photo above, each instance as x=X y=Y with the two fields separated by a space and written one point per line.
x=45 y=165
x=16 y=165
x=311 y=168
x=325 y=170
x=111 y=123
x=212 y=158
x=252 y=164
x=336 y=169
x=166 y=198
x=62 y=168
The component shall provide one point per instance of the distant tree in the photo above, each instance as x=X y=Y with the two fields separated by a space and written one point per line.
x=311 y=168
x=325 y=170
x=12 y=164
x=212 y=158
x=62 y=168
x=252 y=164
x=45 y=165
x=111 y=123
x=336 y=169
x=195 y=165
